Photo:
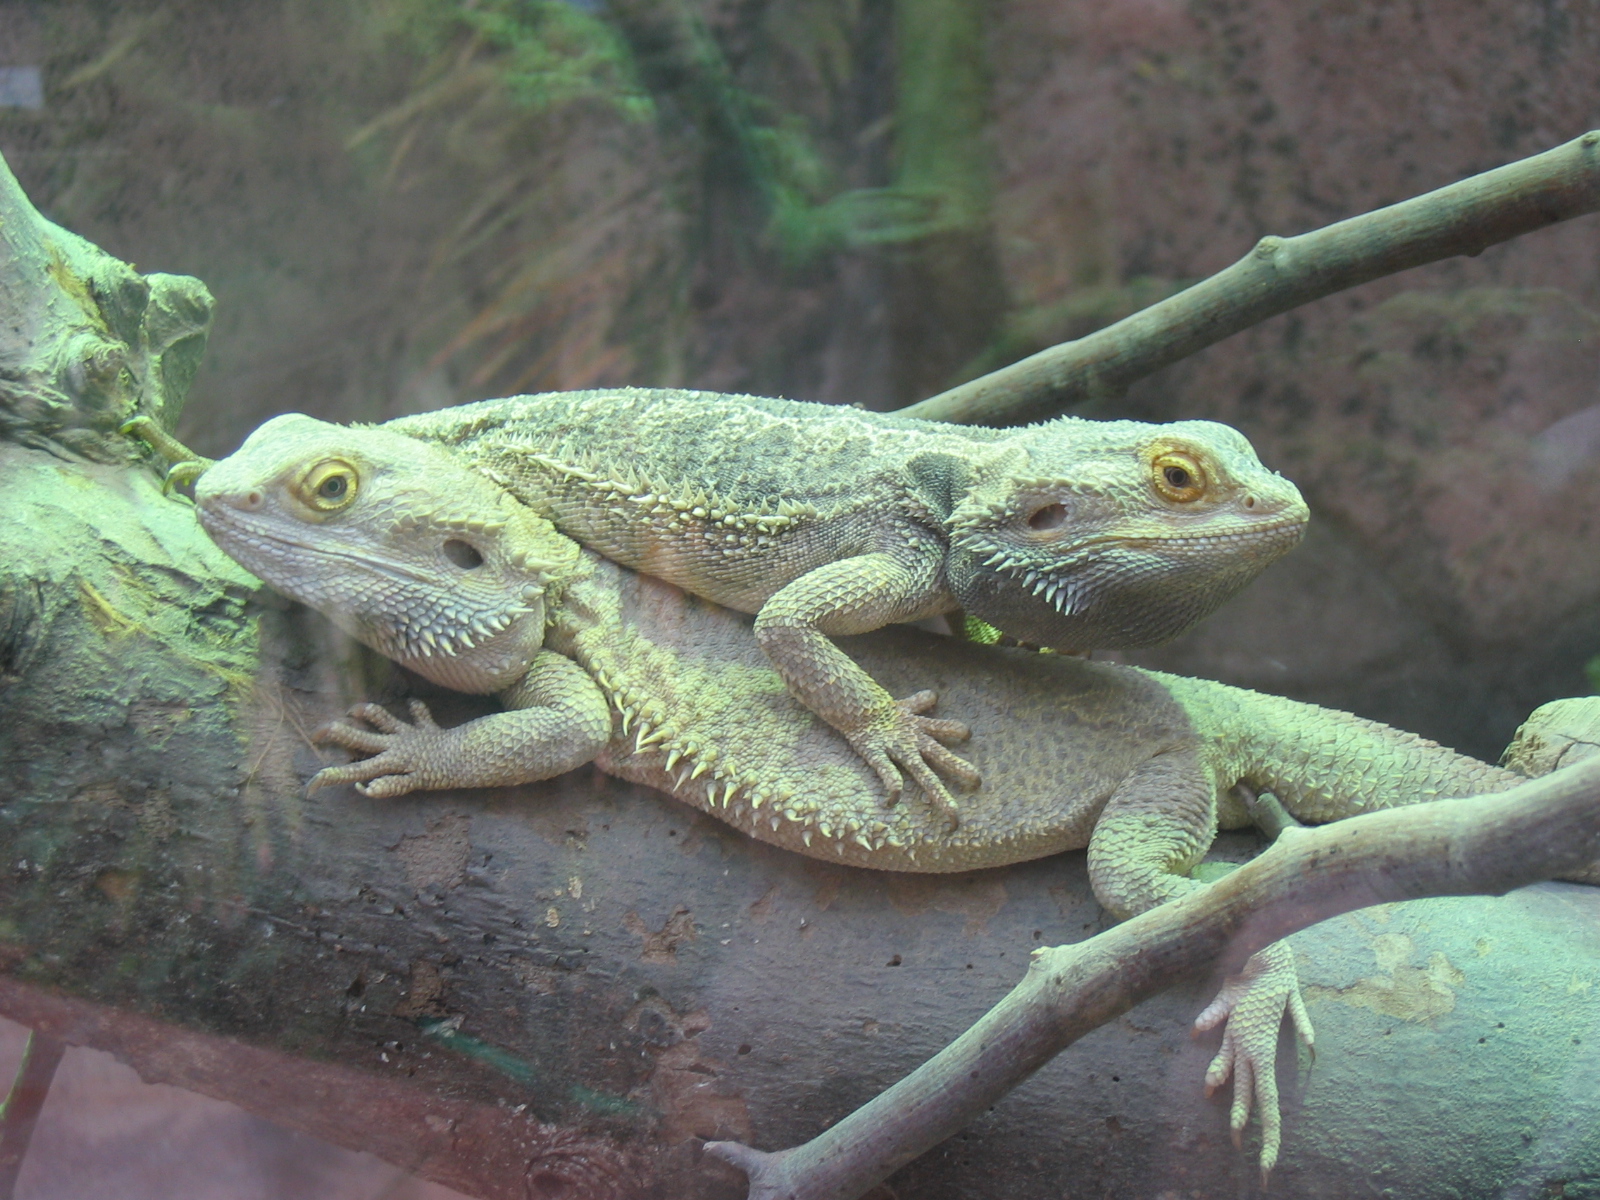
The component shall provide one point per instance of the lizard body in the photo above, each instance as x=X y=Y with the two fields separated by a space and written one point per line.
x=597 y=663
x=827 y=521
x=1061 y=740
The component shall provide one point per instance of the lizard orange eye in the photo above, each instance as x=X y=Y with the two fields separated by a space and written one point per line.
x=329 y=486
x=1178 y=476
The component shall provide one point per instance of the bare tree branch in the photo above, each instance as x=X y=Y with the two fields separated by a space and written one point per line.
x=1280 y=274
x=1483 y=845
x=20 y=1112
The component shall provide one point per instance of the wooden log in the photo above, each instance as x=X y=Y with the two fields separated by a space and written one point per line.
x=622 y=977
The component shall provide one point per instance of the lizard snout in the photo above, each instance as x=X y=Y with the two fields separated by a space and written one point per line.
x=249 y=499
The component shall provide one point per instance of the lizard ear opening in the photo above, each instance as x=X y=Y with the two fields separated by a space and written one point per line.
x=464 y=554
x=1050 y=516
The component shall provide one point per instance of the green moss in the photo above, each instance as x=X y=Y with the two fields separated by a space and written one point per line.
x=941 y=107
x=547 y=53
x=941 y=165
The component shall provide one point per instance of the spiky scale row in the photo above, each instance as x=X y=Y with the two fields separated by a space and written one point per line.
x=692 y=504
x=448 y=522
x=450 y=633
x=1063 y=594
x=729 y=789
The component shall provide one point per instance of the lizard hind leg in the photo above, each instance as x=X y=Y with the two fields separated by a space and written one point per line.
x=1153 y=830
x=1251 y=1007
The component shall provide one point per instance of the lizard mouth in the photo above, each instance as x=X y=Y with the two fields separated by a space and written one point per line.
x=236 y=530
x=1267 y=535
x=1072 y=584
x=424 y=617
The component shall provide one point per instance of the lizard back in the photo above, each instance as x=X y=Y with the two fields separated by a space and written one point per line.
x=732 y=495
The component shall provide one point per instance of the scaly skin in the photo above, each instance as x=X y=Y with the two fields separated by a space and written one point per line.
x=827 y=521
x=672 y=691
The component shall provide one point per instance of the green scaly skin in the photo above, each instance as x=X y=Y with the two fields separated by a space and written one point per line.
x=827 y=521
x=597 y=663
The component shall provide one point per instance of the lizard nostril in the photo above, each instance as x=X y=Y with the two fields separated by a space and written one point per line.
x=250 y=500
x=1250 y=501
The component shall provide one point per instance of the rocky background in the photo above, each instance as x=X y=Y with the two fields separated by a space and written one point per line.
x=406 y=203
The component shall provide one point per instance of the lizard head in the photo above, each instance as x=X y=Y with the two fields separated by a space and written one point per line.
x=1111 y=534
x=423 y=559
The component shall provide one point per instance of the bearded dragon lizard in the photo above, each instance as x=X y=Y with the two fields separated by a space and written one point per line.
x=436 y=566
x=827 y=521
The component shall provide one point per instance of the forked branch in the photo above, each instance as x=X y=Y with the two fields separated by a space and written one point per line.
x=1280 y=274
x=1484 y=845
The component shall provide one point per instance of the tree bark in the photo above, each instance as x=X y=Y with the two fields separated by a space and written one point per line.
x=1483 y=845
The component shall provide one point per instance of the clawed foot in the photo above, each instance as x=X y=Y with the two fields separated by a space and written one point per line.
x=401 y=753
x=899 y=738
x=1252 y=1003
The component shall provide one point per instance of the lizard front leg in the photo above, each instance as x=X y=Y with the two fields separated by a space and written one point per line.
x=1154 y=829
x=556 y=719
x=854 y=595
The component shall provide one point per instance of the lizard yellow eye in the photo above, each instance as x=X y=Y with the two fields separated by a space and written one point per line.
x=1178 y=476
x=329 y=486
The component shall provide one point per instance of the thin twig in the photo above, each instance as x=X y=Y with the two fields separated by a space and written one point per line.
x=20 y=1112
x=1280 y=274
x=1483 y=845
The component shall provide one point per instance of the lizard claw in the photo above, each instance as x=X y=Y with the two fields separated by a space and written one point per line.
x=183 y=474
x=185 y=465
x=1251 y=1008
x=397 y=751
x=901 y=739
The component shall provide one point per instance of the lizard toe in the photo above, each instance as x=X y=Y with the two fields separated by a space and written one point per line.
x=933 y=790
x=944 y=731
x=385 y=786
x=357 y=773
x=389 y=773
x=897 y=743
x=379 y=717
x=928 y=734
x=883 y=763
x=1251 y=1008
x=351 y=737
x=950 y=765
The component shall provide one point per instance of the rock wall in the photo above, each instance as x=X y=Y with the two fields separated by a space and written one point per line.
x=385 y=235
